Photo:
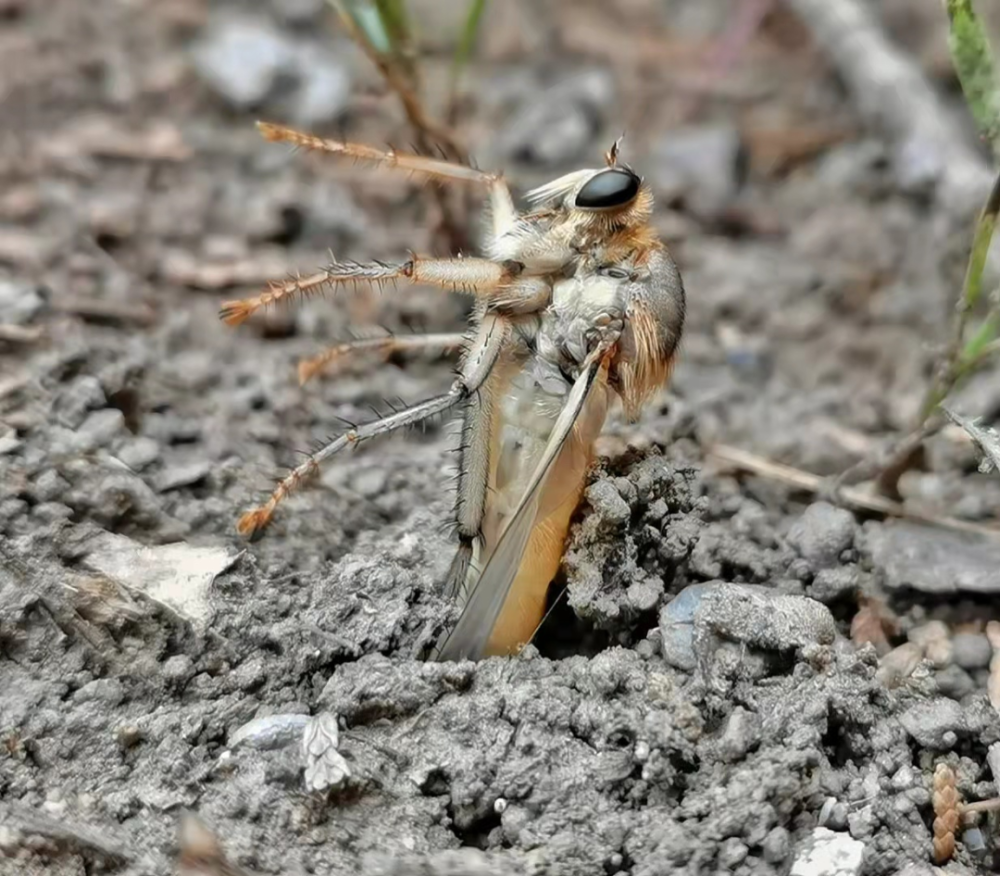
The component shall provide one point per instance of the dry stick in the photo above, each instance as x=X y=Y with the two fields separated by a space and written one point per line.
x=894 y=96
x=427 y=131
x=19 y=334
x=859 y=499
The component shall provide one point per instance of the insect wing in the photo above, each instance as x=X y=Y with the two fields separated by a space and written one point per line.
x=487 y=599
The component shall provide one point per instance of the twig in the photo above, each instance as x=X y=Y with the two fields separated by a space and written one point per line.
x=99 y=309
x=19 y=334
x=429 y=133
x=859 y=499
x=893 y=94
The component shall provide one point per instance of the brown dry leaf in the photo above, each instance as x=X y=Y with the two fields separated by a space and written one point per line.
x=872 y=623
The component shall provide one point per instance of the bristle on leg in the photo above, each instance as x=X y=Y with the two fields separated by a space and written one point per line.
x=252 y=524
x=238 y=311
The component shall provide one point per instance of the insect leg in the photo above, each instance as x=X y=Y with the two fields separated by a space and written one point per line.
x=492 y=335
x=472 y=276
x=386 y=346
x=433 y=168
x=473 y=480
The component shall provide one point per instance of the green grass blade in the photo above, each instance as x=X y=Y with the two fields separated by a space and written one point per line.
x=395 y=23
x=973 y=59
x=973 y=285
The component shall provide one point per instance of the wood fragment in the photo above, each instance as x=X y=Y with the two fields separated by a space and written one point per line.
x=19 y=334
x=100 y=310
x=851 y=496
x=946 y=813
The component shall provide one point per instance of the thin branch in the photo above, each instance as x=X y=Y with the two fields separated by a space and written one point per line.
x=852 y=496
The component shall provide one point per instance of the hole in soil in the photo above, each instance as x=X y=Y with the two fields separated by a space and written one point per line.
x=477 y=834
x=563 y=634
x=126 y=400
x=293 y=221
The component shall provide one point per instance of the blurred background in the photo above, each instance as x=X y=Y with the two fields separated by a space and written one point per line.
x=821 y=226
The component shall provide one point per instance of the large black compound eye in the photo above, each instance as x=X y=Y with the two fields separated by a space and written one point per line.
x=610 y=188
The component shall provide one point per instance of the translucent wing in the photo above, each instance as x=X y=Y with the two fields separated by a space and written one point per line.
x=566 y=456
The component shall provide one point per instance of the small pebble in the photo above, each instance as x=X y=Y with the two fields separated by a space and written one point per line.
x=242 y=59
x=776 y=845
x=822 y=534
x=138 y=453
x=934 y=723
x=732 y=853
x=180 y=667
x=269 y=733
x=971 y=650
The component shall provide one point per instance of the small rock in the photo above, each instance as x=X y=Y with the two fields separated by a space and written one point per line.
x=75 y=401
x=269 y=733
x=185 y=475
x=250 y=674
x=49 y=486
x=759 y=617
x=324 y=86
x=934 y=640
x=732 y=853
x=831 y=585
x=138 y=453
x=934 y=723
x=677 y=627
x=898 y=665
x=107 y=690
x=100 y=428
x=608 y=503
x=971 y=650
x=826 y=853
x=742 y=731
x=176 y=576
x=822 y=534
x=903 y=779
x=243 y=59
x=699 y=165
x=20 y=303
x=178 y=668
x=954 y=682
x=776 y=845
x=932 y=560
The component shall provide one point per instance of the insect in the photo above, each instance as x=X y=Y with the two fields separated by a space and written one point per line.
x=576 y=301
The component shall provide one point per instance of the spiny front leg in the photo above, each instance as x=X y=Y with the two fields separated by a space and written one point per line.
x=483 y=354
x=472 y=276
x=385 y=346
x=433 y=168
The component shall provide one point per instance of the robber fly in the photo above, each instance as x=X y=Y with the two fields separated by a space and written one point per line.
x=576 y=302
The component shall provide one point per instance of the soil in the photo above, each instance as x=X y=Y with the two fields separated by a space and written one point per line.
x=651 y=728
